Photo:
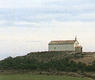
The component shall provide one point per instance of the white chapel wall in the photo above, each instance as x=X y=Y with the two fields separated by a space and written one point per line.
x=65 y=47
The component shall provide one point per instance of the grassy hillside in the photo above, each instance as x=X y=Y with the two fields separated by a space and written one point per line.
x=51 y=61
x=38 y=77
x=48 y=56
x=88 y=58
x=85 y=57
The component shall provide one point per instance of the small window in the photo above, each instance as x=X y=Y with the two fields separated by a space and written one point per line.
x=54 y=47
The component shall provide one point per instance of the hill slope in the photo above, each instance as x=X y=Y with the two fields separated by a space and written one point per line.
x=51 y=61
x=85 y=57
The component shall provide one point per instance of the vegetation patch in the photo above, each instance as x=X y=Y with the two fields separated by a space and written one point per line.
x=48 y=62
x=38 y=77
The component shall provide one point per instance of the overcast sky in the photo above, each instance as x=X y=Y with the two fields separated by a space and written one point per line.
x=28 y=25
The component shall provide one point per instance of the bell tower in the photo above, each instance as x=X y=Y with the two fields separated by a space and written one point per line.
x=75 y=38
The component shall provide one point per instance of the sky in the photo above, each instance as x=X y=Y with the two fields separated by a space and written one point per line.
x=28 y=25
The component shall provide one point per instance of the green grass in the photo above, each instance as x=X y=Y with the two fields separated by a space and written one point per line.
x=37 y=77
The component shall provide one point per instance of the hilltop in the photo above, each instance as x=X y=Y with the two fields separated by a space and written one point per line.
x=51 y=61
x=84 y=57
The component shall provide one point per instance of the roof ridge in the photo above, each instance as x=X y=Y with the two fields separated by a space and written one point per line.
x=62 y=42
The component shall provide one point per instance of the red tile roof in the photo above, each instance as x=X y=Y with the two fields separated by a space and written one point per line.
x=78 y=46
x=60 y=42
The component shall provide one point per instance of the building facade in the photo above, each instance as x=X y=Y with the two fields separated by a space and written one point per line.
x=65 y=45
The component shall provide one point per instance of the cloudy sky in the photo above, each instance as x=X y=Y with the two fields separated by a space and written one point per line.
x=28 y=25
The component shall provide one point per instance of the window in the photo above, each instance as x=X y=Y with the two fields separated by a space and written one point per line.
x=54 y=47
